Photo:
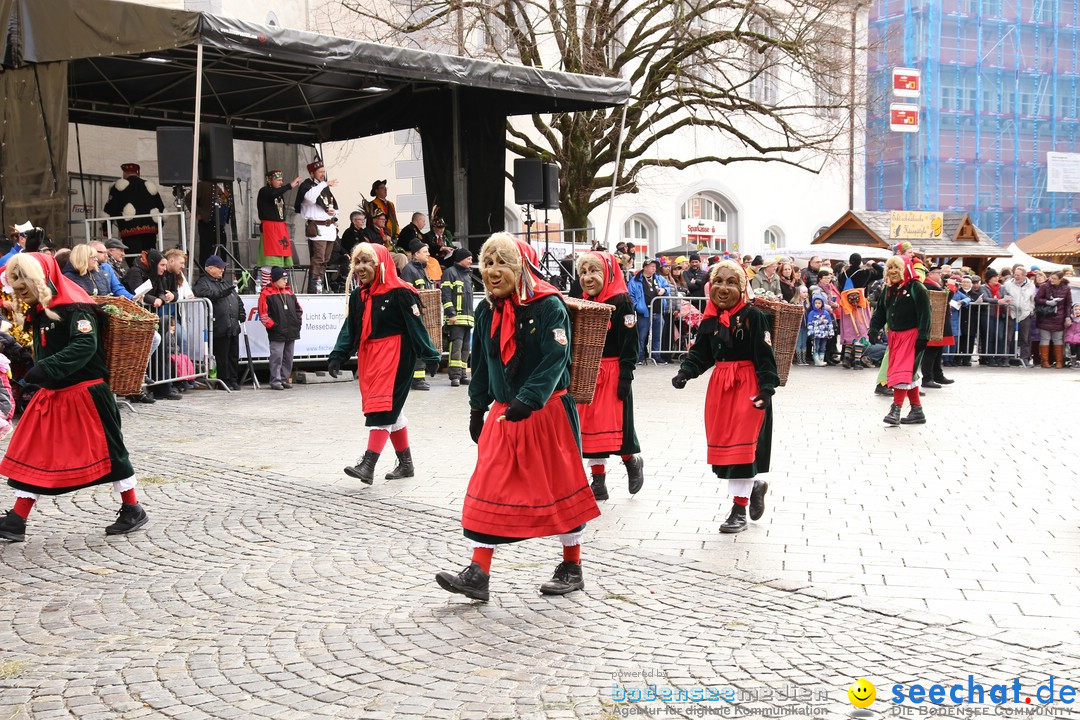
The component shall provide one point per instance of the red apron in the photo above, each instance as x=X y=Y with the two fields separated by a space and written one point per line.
x=60 y=441
x=528 y=481
x=602 y=420
x=377 y=367
x=902 y=357
x=276 y=239
x=732 y=423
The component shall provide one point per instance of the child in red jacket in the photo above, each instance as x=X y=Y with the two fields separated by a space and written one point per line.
x=282 y=315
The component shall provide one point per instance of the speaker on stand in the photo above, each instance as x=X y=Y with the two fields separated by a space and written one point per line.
x=550 y=176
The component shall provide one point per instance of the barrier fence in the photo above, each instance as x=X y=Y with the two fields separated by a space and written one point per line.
x=185 y=351
x=671 y=327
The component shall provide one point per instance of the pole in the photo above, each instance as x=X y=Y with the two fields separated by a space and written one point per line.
x=615 y=176
x=851 y=111
x=195 y=158
x=461 y=198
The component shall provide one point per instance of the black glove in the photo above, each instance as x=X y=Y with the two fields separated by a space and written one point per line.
x=334 y=367
x=35 y=376
x=679 y=381
x=764 y=400
x=623 y=391
x=920 y=345
x=476 y=424
x=432 y=368
x=518 y=411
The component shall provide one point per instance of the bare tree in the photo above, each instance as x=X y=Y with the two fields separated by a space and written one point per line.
x=754 y=81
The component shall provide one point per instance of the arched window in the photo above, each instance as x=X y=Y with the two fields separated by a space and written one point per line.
x=640 y=230
x=773 y=239
x=708 y=219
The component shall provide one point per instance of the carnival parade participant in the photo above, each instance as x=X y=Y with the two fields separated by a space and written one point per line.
x=734 y=340
x=69 y=436
x=130 y=196
x=528 y=480
x=607 y=424
x=383 y=328
x=276 y=247
x=854 y=322
x=317 y=205
x=905 y=308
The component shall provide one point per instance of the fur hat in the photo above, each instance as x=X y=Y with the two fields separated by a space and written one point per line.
x=313 y=166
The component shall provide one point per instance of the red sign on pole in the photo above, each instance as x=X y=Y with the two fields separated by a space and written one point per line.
x=906 y=82
x=904 y=118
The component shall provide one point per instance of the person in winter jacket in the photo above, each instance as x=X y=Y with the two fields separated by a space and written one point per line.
x=644 y=286
x=1072 y=335
x=282 y=315
x=1053 y=303
x=228 y=316
x=820 y=326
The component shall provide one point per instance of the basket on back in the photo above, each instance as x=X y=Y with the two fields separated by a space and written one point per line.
x=939 y=301
x=128 y=336
x=588 y=331
x=432 y=315
x=786 y=321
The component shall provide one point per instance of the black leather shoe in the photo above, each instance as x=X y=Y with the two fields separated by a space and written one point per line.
x=736 y=521
x=599 y=486
x=931 y=385
x=364 y=469
x=944 y=380
x=757 y=499
x=566 y=579
x=464 y=380
x=471 y=582
x=404 y=467
x=915 y=416
x=635 y=477
x=129 y=519
x=170 y=395
x=420 y=384
x=882 y=390
x=144 y=398
x=893 y=418
x=13 y=527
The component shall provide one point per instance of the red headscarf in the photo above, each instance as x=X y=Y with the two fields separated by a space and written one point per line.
x=614 y=282
x=65 y=292
x=386 y=279
x=711 y=309
x=909 y=270
x=504 y=313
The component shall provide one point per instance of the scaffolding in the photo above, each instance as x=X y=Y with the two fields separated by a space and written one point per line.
x=1000 y=81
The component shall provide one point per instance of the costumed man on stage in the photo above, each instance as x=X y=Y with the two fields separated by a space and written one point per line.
x=130 y=196
x=276 y=248
x=607 y=424
x=528 y=480
x=854 y=325
x=440 y=241
x=457 y=296
x=379 y=202
x=734 y=340
x=319 y=208
x=905 y=309
x=384 y=330
x=69 y=436
x=415 y=274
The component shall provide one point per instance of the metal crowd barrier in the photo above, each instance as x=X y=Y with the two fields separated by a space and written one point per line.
x=186 y=351
x=985 y=334
x=671 y=327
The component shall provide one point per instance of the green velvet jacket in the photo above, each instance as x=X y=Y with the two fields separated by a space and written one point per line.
x=749 y=329
x=69 y=350
x=903 y=308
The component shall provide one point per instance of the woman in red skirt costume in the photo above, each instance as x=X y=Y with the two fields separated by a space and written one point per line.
x=905 y=309
x=528 y=480
x=69 y=437
x=607 y=424
x=384 y=330
x=734 y=340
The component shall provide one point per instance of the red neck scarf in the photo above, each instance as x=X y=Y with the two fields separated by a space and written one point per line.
x=386 y=279
x=504 y=311
x=711 y=309
x=614 y=281
x=65 y=292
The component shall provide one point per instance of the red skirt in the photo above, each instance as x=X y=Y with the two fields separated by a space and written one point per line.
x=276 y=241
x=602 y=420
x=60 y=443
x=529 y=481
x=903 y=363
x=732 y=423
x=378 y=364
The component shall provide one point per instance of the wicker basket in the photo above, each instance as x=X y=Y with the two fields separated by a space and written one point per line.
x=939 y=302
x=588 y=331
x=787 y=320
x=432 y=315
x=127 y=342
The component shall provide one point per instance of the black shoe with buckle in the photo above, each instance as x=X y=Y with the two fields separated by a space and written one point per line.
x=129 y=519
x=757 y=499
x=635 y=476
x=566 y=579
x=915 y=416
x=364 y=469
x=13 y=527
x=736 y=521
x=893 y=418
x=472 y=582
x=599 y=486
x=404 y=467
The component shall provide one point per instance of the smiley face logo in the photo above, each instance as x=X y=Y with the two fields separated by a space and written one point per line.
x=862 y=693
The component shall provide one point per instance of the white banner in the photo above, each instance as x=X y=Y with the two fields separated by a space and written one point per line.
x=1062 y=172
x=323 y=316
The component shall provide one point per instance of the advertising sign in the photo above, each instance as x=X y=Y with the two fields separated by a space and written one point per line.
x=906 y=82
x=903 y=117
x=915 y=224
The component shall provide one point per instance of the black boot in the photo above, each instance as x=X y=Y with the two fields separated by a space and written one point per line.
x=599 y=486
x=893 y=418
x=736 y=521
x=13 y=527
x=404 y=467
x=471 y=582
x=420 y=384
x=846 y=356
x=464 y=380
x=757 y=499
x=635 y=478
x=857 y=357
x=882 y=390
x=567 y=579
x=915 y=416
x=364 y=470
x=128 y=519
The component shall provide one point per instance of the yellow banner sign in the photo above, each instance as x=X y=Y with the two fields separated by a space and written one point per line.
x=908 y=224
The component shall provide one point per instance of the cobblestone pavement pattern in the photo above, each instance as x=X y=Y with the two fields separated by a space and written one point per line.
x=269 y=585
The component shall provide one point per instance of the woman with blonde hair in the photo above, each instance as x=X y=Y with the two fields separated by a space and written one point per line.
x=905 y=308
x=82 y=269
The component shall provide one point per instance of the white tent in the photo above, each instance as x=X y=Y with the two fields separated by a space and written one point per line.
x=1019 y=257
x=835 y=251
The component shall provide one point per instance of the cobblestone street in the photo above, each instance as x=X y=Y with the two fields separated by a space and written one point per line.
x=270 y=585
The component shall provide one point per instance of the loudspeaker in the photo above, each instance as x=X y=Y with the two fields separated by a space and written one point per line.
x=551 y=187
x=174 y=148
x=215 y=153
x=528 y=181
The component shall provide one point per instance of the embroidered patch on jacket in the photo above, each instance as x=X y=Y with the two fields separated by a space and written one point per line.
x=416 y=310
x=560 y=336
x=84 y=326
x=629 y=320
x=768 y=338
